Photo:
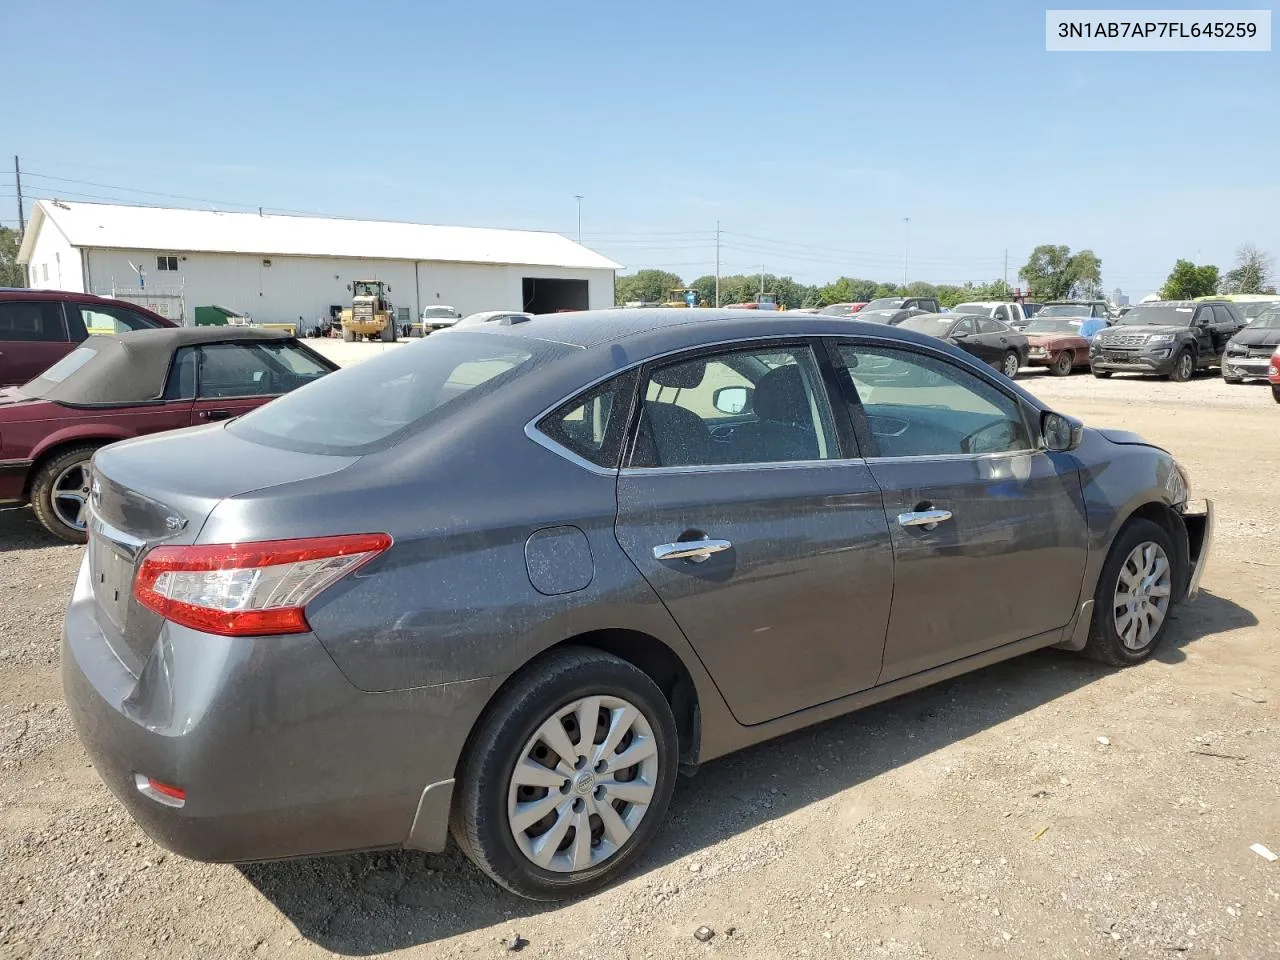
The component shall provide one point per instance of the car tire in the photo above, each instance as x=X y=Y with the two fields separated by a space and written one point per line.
x=1122 y=639
x=1010 y=363
x=1184 y=366
x=53 y=477
x=1063 y=364
x=1100 y=374
x=514 y=732
x=1275 y=393
x=348 y=336
x=388 y=334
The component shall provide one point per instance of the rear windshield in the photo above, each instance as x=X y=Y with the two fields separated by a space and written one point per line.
x=373 y=404
x=64 y=368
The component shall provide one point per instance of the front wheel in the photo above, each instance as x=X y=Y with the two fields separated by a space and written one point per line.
x=1184 y=365
x=348 y=336
x=1135 y=591
x=1063 y=364
x=568 y=776
x=1010 y=363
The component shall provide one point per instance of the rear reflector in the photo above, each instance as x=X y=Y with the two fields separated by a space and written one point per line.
x=249 y=589
x=164 y=793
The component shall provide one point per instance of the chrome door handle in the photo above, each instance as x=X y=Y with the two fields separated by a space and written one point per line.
x=923 y=518
x=695 y=550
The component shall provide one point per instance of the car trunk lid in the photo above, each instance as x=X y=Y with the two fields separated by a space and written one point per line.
x=161 y=489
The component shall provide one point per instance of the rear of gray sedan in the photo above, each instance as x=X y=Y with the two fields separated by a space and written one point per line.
x=233 y=654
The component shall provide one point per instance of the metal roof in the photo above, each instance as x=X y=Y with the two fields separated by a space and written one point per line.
x=208 y=231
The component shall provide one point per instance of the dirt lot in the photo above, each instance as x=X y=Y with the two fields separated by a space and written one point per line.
x=979 y=818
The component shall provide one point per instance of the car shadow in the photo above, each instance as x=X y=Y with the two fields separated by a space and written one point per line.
x=20 y=530
x=361 y=904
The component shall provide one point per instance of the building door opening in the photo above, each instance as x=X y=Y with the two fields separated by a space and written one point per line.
x=546 y=295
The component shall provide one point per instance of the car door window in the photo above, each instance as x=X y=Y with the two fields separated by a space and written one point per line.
x=103 y=319
x=991 y=326
x=963 y=327
x=593 y=424
x=1222 y=314
x=914 y=405
x=765 y=405
x=33 y=321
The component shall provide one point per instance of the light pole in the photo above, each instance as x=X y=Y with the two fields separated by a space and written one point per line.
x=906 y=251
x=578 y=197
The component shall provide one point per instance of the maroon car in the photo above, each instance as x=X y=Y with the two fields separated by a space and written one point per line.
x=1056 y=343
x=126 y=385
x=40 y=327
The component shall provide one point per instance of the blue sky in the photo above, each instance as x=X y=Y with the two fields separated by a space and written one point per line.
x=808 y=129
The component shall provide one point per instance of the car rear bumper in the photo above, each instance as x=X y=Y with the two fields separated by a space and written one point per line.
x=279 y=755
x=1197 y=517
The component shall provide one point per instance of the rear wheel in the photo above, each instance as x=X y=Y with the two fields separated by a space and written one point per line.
x=60 y=494
x=348 y=336
x=1134 y=594
x=1275 y=393
x=568 y=776
x=1010 y=363
x=1063 y=364
x=1184 y=365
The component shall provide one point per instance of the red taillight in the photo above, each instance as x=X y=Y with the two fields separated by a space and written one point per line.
x=165 y=793
x=249 y=589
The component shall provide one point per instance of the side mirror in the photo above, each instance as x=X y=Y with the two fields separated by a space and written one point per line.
x=960 y=336
x=733 y=400
x=1060 y=432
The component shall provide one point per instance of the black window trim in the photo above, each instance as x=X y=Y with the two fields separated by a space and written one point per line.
x=854 y=410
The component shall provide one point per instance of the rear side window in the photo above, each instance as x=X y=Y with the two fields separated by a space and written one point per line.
x=592 y=425
x=65 y=367
x=35 y=320
x=991 y=326
x=373 y=404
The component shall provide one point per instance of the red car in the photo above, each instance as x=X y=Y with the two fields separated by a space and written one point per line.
x=1273 y=374
x=1056 y=343
x=841 y=309
x=40 y=327
x=126 y=385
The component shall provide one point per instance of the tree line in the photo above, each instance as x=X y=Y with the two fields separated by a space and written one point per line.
x=1253 y=273
x=1051 y=273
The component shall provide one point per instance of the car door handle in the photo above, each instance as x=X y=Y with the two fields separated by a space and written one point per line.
x=923 y=518
x=215 y=414
x=695 y=550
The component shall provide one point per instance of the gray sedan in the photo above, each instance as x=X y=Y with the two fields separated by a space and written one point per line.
x=507 y=583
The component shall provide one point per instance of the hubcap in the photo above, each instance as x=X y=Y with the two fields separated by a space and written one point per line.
x=71 y=495
x=1142 y=595
x=1185 y=364
x=1010 y=366
x=582 y=784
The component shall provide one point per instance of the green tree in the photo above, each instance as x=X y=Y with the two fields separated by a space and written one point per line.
x=1054 y=272
x=11 y=273
x=1188 y=281
x=1251 y=274
x=645 y=285
x=706 y=287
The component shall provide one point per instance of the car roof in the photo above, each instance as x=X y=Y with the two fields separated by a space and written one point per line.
x=132 y=367
x=69 y=296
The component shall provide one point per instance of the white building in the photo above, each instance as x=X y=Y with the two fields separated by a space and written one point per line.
x=279 y=269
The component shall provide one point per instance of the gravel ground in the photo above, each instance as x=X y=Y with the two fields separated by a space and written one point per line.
x=1046 y=807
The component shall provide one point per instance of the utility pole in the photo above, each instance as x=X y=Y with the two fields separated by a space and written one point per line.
x=906 y=251
x=762 y=279
x=578 y=197
x=717 y=263
x=1006 y=268
x=17 y=177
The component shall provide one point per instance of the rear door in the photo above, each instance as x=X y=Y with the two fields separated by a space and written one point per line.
x=989 y=532
x=758 y=526
x=33 y=337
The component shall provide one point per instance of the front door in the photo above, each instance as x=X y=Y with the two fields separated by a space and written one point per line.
x=763 y=534
x=989 y=532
